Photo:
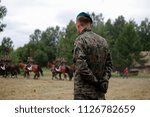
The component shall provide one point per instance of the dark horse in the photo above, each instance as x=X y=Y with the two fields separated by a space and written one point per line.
x=36 y=69
x=62 y=69
x=9 y=69
x=13 y=69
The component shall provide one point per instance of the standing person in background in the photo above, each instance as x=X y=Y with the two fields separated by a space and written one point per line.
x=92 y=59
x=125 y=72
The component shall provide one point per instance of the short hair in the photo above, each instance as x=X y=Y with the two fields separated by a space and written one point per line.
x=84 y=20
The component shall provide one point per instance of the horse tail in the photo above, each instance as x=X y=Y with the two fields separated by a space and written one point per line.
x=41 y=71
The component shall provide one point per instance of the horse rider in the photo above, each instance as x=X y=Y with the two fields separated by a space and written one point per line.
x=29 y=63
x=58 y=63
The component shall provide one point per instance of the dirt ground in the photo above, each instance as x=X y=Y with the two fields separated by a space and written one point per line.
x=46 y=88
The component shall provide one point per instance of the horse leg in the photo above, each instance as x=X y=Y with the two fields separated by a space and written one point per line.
x=60 y=76
x=70 y=74
x=5 y=74
x=28 y=75
x=65 y=76
x=16 y=75
x=11 y=74
x=53 y=75
x=38 y=75
x=35 y=76
x=24 y=74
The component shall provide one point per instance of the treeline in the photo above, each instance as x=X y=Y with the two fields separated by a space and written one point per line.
x=126 y=40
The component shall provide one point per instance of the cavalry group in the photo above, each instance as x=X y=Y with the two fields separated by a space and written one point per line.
x=57 y=67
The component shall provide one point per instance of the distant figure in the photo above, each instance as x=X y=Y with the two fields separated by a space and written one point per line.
x=29 y=63
x=60 y=64
x=125 y=72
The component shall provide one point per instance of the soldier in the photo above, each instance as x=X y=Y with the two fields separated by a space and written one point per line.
x=29 y=63
x=92 y=60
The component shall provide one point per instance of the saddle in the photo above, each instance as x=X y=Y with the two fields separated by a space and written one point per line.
x=3 y=67
x=29 y=67
x=58 y=68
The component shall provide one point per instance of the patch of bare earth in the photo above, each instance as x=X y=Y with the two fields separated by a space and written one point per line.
x=132 y=89
x=45 y=88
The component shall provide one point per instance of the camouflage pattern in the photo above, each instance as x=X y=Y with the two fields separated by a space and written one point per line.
x=93 y=63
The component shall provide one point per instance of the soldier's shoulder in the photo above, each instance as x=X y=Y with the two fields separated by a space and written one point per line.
x=101 y=39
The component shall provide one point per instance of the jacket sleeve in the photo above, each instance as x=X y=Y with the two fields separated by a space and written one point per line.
x=108 y=67
x=79 y=58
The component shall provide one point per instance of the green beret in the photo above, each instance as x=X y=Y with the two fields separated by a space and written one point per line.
x=85 y=15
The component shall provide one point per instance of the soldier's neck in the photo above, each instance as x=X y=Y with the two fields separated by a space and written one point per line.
x=85 y=30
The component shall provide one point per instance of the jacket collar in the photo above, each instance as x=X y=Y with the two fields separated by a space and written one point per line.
x=85 y=30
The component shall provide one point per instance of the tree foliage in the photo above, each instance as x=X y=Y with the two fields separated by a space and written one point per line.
x=3 y=12
x=144 y=33
x=6 y=45
x=65 y=45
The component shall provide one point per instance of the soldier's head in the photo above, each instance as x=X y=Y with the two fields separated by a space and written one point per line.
x=83 y=21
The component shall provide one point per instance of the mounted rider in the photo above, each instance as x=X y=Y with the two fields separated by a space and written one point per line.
x=59 y=63
x=29 y=64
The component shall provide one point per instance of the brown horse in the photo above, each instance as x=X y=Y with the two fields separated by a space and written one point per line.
x=62 y=69
x=36 y=69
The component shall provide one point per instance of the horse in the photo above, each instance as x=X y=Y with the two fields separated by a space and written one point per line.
x=14 y=70
x=36 y=69
x=52 y=68
x=61 y=69
x=7 y=69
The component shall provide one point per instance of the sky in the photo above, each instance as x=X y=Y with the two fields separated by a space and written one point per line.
x=24 y=16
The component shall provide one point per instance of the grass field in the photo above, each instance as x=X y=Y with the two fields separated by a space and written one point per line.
x=133 y=88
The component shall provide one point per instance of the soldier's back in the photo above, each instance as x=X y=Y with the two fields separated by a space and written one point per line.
x=96 y=49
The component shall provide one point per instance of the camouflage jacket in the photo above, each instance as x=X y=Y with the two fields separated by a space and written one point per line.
x=92 y=59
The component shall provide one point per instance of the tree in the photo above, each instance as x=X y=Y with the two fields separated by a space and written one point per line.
x=50 y=39
x=3 y=12
x=22 y=53
x=127 y=47
x=6 y=45
x=98 y=23
x=36 y=36
x=66 y=43
x=144 y=33
x=125 y=38
x=40 y=57
x=14 y=57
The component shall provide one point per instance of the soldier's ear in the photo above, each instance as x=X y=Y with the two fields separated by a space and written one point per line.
x=78 y=26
